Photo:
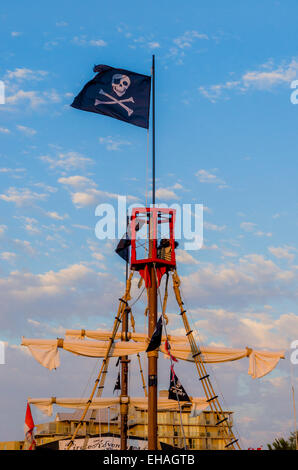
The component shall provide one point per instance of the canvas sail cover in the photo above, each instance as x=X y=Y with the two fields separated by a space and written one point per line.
x=46 y=404
x=103 y=335
x=46 y=352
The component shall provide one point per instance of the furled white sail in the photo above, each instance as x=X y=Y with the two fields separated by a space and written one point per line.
x=47 y=354
x=103 y=335
x=45 y=351
x=46 y=404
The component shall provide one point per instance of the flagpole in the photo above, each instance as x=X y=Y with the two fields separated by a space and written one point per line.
x=152 y=297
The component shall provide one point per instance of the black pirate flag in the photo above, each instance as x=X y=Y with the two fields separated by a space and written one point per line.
x=117 y=93
x=155 y=341
x=117 y=384
x=122 y=248
x=176 y=390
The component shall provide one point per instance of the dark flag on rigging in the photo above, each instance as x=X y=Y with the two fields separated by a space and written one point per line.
x=117 y=384
x=176 y=390
x=155 y=340
x=117 y=93
x=122 y=248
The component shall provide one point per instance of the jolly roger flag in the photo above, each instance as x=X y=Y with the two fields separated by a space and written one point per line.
x=176 y=390
x=117 y=93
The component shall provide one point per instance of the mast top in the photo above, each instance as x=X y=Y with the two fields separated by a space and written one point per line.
x=152 y=239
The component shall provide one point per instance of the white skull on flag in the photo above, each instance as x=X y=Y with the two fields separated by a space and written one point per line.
x=120 y=83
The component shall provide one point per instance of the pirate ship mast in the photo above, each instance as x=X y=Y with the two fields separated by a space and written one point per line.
x=153 y=256
x=152 y=300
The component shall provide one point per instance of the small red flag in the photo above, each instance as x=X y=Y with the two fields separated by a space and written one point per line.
x=29 y=443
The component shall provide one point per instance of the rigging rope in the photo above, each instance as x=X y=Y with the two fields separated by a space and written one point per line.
x=100 y=380
x=212 y=399
x=210 y=366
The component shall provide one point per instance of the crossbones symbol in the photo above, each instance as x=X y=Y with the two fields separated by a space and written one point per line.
x=115 y=101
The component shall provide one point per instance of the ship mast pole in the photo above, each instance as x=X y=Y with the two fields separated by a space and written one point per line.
x=124 y=371
x=152 y=317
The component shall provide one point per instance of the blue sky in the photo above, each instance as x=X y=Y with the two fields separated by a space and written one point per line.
x=226 y=135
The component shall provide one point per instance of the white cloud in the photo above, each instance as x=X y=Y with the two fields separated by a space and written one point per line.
x=184 y=257
x=93 y=196
x=206 y=176
x=28 y=131
x=98 y=256
x=32 y=229
x=67 y=161
x=8 y=256
x=253 y=328
x=188 y=38
x=54 y=294
x=214 y=227
x=4 y=130
x=50 y=44
x=82 y=227
x=3 y=228
x=165 y=194
x=85 y=191
x=251 y=227
x=82 y=41
x=25 y=246
x=270 y=75
x=267 y=77
x=52 y=96
x=46 y=187
x=250 y=280
x=22 y=196
x=113 y=144
x=95 y=250
x=33 y=97
x=154 y=45
x=26 y=74
x=263 y=234
x=177 y=186
x=248 y=226
x=210 y=247
x=56 y=216
x=15 y=34
x=228 y=254
x=213 y=92
x=97 y=43
x=77 y=181
x=283 y=252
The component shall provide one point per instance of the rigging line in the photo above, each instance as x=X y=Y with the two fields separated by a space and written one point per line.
x=210 y=367
x=100 y=380
x=171 y=360
x=138 y=298
x=89 y=379
x=141 y=245
x=208 y=388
